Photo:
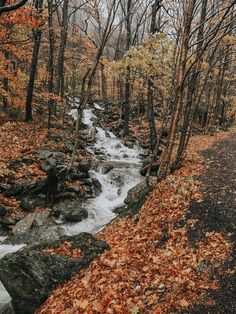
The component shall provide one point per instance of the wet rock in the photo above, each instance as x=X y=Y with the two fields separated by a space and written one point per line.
x=98 y=152
x=51 y=159
x=129 y=144
x=70 y=211
x=48 y=164
x=16 y=189
x=5 y=301
x=29 y=221
x=97 y=186
x=118 y=146
x=144 y=145
x=88 y=182
x=164 y=133
x=30 y=275
x=3 y=211
x=134 y=193
x=78 y=176
x=66 y=196
x=84 y=166
x=107 y=168
x=32 y=201
x=69 y=148
x=25 y=187
x=135 y=200
x=76 y=215
x=74 y=187
x=38 y=234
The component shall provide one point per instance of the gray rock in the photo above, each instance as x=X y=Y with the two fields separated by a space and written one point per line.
x=50 y=159
x=134 y=193
x=25 y=187
x=84 y=166
x=70 y=211
x=129 y=144
x=48 y=164
x=29 y=221
x=32 y=201
x=31 y=275
x=44 y=153
x=97 y=186
x=76 y=215
x=41 y=234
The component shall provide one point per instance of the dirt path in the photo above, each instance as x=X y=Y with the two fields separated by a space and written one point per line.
x=217 y=213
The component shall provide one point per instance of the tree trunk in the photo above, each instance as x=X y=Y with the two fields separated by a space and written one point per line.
x=128 y=70
x=51 y=102
x=187 y=125
x=103 y=84
x=179 y=91
x=61 y=56
x=5 y=84
x=151 y=118
x=33 y=67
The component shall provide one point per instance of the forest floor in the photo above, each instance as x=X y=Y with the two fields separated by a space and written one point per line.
x=176 y=254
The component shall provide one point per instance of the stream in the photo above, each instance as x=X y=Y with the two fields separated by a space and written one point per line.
x=116 y=167
x=125 y=164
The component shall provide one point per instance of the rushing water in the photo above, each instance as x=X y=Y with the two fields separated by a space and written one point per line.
x=126 y=163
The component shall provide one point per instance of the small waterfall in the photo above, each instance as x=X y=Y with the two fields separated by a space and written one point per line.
x=125 y=162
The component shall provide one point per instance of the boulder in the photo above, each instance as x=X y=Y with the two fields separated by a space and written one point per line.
x=35 y=186
x=129 y=144
x=50 y=159
x=29 y=221
x=70 y=211
x=32 y=201
x=97 y=186
x=76 y=215
x=134 y=193
x=30 y=275
x=84 y=166
x=38 y=234
x=107 y=168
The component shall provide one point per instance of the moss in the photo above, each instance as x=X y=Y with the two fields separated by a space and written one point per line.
x=134 y=207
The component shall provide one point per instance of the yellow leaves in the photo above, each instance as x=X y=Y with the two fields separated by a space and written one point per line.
x=183 y=303
x=80 y=304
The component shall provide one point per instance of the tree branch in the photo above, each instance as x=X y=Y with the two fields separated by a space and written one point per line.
x=12 y=7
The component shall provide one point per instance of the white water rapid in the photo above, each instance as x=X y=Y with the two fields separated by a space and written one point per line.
x=126 y=163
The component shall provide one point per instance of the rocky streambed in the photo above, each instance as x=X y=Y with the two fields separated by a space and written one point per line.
x=81 y=200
